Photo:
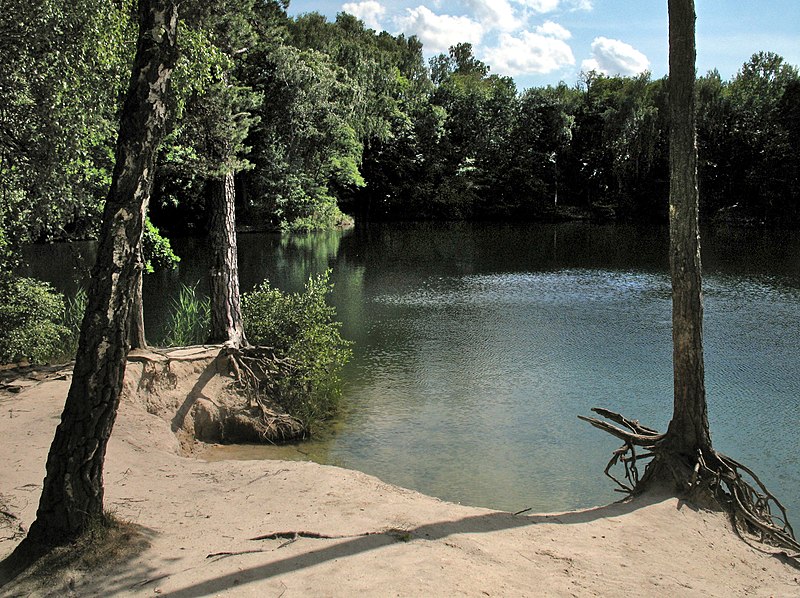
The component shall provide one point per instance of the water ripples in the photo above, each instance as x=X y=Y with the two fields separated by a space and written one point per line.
x=488 y=372
x=559 y=287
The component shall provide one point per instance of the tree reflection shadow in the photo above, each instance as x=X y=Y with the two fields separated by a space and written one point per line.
x=478 y=524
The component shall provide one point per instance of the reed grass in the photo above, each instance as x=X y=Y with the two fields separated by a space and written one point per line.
x=190 y=319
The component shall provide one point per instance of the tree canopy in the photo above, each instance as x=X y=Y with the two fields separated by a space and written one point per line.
x=319 y=117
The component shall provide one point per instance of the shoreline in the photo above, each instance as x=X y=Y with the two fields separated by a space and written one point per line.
x=263 y=528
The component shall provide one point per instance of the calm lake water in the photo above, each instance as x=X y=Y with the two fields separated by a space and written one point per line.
x=478 y=345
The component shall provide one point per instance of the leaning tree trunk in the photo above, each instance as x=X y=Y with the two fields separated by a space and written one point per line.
x=73 y=488
x=227 y=325
x=688 y=430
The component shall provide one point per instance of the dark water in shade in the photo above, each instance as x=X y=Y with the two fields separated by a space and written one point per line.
x=478 y=345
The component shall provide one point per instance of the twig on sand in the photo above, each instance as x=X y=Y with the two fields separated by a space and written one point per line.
x=237 y=553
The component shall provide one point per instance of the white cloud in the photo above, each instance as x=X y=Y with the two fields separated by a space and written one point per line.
x=582 y=4
x=614 y=57
x=540 y=6
x=495 y=14
x=529 y=53
x=439 y=32
x=551 y=29
x=370 y=12
x=545 y=6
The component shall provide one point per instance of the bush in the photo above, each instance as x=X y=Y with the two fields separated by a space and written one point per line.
x=157 y=250
x=31 y=313
x=302 y=328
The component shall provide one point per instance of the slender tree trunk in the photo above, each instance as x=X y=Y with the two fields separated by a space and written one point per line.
x=227 y=325
x=73 y=487
x=684 y=455
x=137 y=337
x=688 y=431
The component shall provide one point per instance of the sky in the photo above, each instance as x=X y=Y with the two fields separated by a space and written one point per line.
x=543 y=42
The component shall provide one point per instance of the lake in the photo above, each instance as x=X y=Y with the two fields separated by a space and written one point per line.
x=478 y=345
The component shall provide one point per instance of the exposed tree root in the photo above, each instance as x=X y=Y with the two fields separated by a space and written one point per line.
x=754 y=510
x=260 y=374
x=10 y=523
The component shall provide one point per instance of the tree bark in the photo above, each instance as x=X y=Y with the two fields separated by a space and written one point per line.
x=73 y=488
x=689 y=430
x=227 y=324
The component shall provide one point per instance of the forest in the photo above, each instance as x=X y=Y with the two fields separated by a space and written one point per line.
x=299 y=124
x=321 y=122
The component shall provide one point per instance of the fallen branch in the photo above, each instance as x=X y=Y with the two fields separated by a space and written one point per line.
x=241 y=552
x=295 y=535
x=149 y=580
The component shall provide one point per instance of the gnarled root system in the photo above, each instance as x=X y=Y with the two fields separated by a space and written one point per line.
x=260 y=374
x=755 y=511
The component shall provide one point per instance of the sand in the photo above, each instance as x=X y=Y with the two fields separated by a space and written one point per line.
x=327 y=531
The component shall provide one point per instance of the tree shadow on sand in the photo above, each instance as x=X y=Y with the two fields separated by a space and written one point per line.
x=478 y=524
x=39 y=570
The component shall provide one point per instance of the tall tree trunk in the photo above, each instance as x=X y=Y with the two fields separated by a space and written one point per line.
x=227 y=325
x=688 y=431
x=73 y=487
x=684 y=455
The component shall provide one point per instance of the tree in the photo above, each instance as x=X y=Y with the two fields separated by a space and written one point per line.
x=155 y=253
x=541 y=135
x=304 y=144
x=226 y=106
x=215 y=118
x=684 y=458
x=465 y=139
x=72 y=494
x=688 y=431
x=224 y=122
x=56 y=156
x=136 y=337
x=763 y=159
x=715 y=148
x=227 y=323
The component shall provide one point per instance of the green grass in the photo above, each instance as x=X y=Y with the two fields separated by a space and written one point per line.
x=75 y=307
x=190 y=319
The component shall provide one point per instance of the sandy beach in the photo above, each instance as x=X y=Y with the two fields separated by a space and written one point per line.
x=284 y=529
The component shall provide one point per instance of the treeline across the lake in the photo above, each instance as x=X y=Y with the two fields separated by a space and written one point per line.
x=317 y=118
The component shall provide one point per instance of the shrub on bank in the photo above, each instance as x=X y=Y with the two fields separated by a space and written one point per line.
x=302 y=328
x=157 y=249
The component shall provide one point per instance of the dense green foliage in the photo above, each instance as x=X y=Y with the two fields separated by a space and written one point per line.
x=157 y=249
x=64 y=67
x=316 y=117
x=30 y=320
x=301 y=327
